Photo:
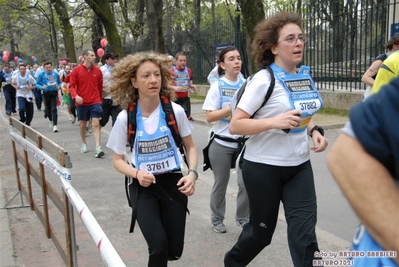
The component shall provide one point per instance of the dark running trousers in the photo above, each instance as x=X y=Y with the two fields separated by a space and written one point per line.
x=186 y=104
x=266 y=185
x=10 y=96
x=51 y=107
x=38 y=98
x=161 y=215
x=25 y=110
x=72 y=106
x=109 y=110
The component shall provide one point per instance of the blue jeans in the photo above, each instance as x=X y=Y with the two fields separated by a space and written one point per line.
x=38 y=98
x=25 y=110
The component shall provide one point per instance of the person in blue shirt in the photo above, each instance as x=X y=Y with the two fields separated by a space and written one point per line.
x=49 y=82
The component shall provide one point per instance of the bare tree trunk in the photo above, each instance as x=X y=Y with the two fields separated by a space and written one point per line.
x=53 y=36
x=253 y=13
x=103 y=10
x=154 y=10
x=169 y=21
x=97 y=34
x=67 y=30
x=197 y=16
x=213 y=19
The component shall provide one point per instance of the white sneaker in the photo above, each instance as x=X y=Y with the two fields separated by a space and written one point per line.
x=83 y=148
x=55 y=129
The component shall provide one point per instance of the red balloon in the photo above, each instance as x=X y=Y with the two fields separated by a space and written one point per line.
x=80 y=58
x=100 y=52
x=16 y=59
x=5 y=58
x=103 y=42
x=33 y=57
x=64 y=62
x=6 y=53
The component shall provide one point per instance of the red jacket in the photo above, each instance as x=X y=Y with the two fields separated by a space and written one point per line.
x=88 y=84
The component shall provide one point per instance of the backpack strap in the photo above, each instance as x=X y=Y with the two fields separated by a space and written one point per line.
x=171 y=119
x=270 y=90
x=172 y=124
x=131 y=123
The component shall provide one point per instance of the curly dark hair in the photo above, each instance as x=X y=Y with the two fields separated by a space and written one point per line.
x=121 y=87
x=267 y=34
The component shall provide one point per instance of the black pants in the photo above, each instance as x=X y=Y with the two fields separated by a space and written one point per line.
x=266 y=186
x=72 y=106
x=161 y=215
x=10 y=96
x=51 y=107
x=186 y=104
x=109 y=110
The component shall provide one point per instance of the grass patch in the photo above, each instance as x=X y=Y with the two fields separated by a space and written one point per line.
x=333 y=111
x=195 y=96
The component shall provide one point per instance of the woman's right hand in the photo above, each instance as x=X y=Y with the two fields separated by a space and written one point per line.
x=145 y=179
x=288 y=120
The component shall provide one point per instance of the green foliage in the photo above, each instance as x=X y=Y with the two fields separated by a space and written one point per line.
x=332 y=111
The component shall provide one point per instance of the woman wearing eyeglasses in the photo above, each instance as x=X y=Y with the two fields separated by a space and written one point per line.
x=276 y=165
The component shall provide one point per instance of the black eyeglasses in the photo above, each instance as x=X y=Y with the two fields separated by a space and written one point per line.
x=293 y=40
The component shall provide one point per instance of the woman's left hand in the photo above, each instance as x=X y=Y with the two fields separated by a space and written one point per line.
x=320 y=143
x=187 y=184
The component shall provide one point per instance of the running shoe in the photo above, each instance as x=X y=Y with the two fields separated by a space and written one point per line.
x=241 y=224
x=99 y=152
x=219 y=228
x=89 y=128
x=55 y=129
x=83 y=148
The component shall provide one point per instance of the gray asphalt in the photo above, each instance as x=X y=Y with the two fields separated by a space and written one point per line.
x=102 y=189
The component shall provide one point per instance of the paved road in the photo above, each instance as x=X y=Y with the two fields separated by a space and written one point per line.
x=101 y=187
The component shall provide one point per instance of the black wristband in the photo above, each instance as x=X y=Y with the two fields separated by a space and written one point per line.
x=195 y=173
x=316 y=128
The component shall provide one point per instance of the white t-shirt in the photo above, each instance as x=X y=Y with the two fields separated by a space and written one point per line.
x=106 y=80
x=213 y=73
x=117 y=140
x=273 y=147
x=212 y=102
x=21 y=91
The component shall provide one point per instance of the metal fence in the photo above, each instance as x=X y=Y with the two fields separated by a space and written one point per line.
x=343 y=37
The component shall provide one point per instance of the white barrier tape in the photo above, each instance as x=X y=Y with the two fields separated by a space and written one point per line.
x=111 y=257
x=41 y=156
x=104 y=246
